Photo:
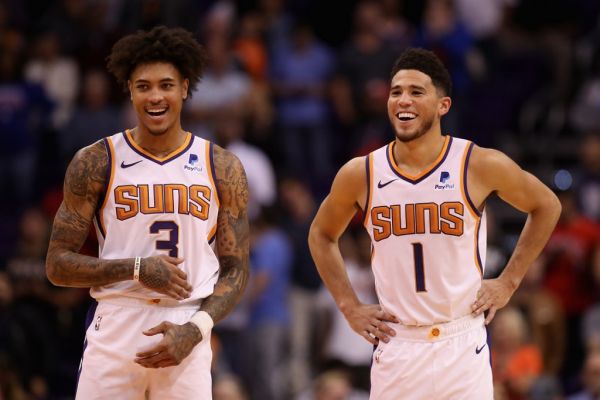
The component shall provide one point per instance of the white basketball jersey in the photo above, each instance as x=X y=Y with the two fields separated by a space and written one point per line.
x=156 y=206
x=428 y=237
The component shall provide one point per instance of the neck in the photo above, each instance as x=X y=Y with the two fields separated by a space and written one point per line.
x=420 y=152
x=159 y=145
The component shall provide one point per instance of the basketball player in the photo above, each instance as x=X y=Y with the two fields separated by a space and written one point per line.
x=169 y=210
x=423 y=197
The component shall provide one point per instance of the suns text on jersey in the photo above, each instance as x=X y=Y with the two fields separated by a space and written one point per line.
x=162 y=199
x=420 y=218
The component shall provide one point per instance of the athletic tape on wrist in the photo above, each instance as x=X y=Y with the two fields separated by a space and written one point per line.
x=136 y=268
x=204 y=322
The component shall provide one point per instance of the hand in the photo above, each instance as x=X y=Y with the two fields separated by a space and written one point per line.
x=177 y=343
x=368 y=320
x=491 y=296
x=161 y=274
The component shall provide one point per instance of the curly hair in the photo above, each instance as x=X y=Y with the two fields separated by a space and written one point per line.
x=161 y=44
x=428 y=63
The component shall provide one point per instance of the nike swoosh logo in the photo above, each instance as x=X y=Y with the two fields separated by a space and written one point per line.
x=479 y=349
x=382 y=185
x=123 y=165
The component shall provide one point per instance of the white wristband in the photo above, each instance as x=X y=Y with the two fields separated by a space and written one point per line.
x=136 y=268
x=204 y=322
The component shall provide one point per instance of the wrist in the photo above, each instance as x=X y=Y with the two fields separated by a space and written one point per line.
x=346 y=305
x=204 y=322
x=137 y=263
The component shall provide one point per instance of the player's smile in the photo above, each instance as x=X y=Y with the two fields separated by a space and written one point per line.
x=157 y=93
x=406 y=117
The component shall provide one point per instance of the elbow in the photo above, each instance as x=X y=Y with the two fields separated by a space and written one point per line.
x=556 y=207
x=313 y=236
x=52 y=269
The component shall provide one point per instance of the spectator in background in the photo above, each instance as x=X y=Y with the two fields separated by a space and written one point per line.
x=567 y=252
x=228 y=387
x=360 y=86
x=333 y=385
x=271 y=259
x=58 y=74
x=224 y=89
x=587 y=187
x=300 y=208
x=515 y=362
x=544 y=315
x=94 y=118
x=444 y=33
x=343 y=349
x=300 y=75
x=591 y=369
x=13 y=347
x=24 y=111
x=230 y=132
x=396 y=31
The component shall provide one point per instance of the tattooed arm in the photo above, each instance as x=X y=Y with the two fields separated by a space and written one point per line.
x=232 y=248
x=232 y=235
x=83 y=188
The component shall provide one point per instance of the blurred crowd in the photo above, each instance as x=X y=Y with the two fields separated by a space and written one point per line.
x=295 y=88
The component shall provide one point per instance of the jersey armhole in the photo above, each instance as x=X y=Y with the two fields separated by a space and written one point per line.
x=464 y=184
x=369 y=170
x=212 y=174
x=109 y=175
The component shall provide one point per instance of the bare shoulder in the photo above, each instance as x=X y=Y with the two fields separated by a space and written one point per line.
x=492 y=166
x=350 y=183
x=231 y=177
x=86 y=174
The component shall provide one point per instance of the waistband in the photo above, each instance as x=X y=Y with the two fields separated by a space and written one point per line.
x=152 y=303
x=437 y=332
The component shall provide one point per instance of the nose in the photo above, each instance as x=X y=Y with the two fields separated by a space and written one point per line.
x=404 y=99
x=156 y=96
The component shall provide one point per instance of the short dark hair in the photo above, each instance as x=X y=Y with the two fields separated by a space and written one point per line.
x=161 y=44
x=426 y=62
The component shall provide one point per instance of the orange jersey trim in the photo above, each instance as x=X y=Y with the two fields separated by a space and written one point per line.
x=212 y=234
x=416 y=178
x=151 y=156
x=211 y=171
x=111 y=156
x=463 y=182
x=369 y=167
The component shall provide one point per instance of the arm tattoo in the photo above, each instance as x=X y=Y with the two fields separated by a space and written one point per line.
x=84 y=183
x=232 y=235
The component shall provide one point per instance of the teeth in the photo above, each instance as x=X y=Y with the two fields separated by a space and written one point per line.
x=406 y=115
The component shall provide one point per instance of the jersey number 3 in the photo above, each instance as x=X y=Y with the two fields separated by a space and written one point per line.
x=171 y=244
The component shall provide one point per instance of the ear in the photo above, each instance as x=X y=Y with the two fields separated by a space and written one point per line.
x=185 y=87
x=130 y=88
x=444 y=105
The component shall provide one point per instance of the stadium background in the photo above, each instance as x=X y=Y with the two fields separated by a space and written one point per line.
x=296 y=88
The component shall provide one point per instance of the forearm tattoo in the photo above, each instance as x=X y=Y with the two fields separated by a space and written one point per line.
x=232 y=235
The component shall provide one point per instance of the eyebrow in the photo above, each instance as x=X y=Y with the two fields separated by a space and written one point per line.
x=141 y=80
x=410 y=87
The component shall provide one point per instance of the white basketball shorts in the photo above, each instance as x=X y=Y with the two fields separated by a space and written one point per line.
x=114 y=336
x=448 y=361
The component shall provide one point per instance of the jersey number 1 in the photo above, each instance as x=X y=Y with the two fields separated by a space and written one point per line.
x=419 y=267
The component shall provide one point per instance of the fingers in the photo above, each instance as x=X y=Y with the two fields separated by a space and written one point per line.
x=172 y=260
x=386 y=316
x=491 y=314
x=371 y=339
x=160 y=328
x=156 y=360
